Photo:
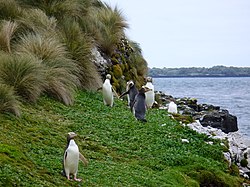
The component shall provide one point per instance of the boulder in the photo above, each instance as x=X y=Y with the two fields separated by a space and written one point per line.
x=220 y=119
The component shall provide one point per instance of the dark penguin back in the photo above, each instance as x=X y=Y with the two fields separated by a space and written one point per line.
x=140 y=106
x=132 y=94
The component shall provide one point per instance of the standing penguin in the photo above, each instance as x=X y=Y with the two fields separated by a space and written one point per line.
x=132 y=91
x=150 y=95
x=71 y=158
x=108 y=97
x=172 y=107
x=139 y=105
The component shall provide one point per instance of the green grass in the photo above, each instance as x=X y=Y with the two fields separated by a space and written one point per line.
x=121 y=151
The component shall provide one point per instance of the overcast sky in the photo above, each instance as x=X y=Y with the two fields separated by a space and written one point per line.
x=189 y=33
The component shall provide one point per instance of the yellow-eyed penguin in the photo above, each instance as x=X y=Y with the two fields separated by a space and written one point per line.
x=131 y=91
x=150 y=95
x=71 y=157
x=139 y=107
x=108 y=97
x=172 y=107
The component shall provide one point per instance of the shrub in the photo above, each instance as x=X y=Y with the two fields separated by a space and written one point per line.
x=244 y=162
x=117 y=71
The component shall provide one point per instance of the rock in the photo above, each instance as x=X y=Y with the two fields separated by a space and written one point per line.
x=239 y=147
x=227 y=156
x=184 y=140
x=208 y=115
x=100 y=62
x=221 y=120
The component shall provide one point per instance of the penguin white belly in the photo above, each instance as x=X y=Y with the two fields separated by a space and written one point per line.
x=150 y=95
x=71 y=160
x=107 y=94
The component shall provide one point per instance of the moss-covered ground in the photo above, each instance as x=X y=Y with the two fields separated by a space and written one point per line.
x=121 y=151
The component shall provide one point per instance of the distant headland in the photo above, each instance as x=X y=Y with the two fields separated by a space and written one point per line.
x=215 y=71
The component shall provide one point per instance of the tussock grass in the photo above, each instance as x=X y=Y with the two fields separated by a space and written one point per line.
x=60 y=71
x=111 y=28
x=23 y=73
x=7 y=30
x=121 y=151
x=10 y=10
x=79 y=45
x=42 y=46
x=8 y=100
x=60 y=83
x=37 y=21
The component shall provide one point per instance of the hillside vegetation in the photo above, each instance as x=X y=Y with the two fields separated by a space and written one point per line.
x=48 y=79
x=46 y=47
x=121 y=151
x=215 y=71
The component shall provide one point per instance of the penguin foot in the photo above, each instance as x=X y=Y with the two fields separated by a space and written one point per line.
x=77 y=179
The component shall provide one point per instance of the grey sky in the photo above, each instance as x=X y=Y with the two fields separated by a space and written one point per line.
x=189 y=33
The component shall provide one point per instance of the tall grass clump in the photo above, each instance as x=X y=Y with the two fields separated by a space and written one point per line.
x=60 y=70
x=8 y=100
x=7 y=30
x=37 y=21
x=138 y=62
x=61 y=9
x=23 y=73
x=60 y=83
x=111 y=27
x=9 y=9
x=79 y=45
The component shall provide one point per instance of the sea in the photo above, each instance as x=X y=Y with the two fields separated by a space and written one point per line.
x=230 y=93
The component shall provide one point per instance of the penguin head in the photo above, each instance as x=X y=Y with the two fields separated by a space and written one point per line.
x=71 y=135
x=108 y=76
x=149 y=79
x=130 y=84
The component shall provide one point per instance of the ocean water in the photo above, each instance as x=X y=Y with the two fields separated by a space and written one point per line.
x=230 y=93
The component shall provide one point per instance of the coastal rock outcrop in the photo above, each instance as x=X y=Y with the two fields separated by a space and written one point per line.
x=208 y=115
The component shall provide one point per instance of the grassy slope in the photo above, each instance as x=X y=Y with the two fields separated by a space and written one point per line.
x=120 y=150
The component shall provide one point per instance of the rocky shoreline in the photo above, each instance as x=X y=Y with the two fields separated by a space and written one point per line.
x=216 y=123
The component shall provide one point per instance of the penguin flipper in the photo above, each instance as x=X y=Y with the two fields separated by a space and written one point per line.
x=64 y=158
x=83 y=159
x=100 y=88
x=123 y=94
